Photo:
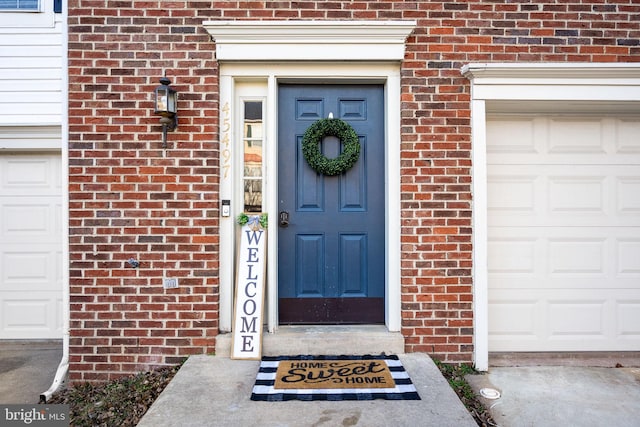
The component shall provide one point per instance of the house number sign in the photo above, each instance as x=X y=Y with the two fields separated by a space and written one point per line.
x=226 y=130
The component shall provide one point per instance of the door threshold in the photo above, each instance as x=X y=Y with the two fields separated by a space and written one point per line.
x=324 y=340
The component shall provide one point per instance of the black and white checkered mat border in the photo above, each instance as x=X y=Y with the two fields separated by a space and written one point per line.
x=263 y=389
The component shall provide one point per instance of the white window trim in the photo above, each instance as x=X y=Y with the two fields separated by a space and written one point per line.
x=577 y=86
x=16 y=21
x=37 y=9
x=272 y=52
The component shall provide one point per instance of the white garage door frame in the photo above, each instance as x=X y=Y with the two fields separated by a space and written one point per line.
x=576 y=86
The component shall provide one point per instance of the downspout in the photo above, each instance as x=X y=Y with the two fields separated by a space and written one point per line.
x=63 y=367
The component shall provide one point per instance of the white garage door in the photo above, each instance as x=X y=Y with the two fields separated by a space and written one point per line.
x=30 y=246
x=564 y=233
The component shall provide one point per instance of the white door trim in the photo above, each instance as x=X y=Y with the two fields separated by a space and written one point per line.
x=270 y=74
x=578 y=86
x=308 y=51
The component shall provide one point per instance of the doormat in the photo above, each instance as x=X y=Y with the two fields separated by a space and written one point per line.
x=282 y=378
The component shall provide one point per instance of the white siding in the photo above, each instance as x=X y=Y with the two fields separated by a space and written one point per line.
x=31 y=68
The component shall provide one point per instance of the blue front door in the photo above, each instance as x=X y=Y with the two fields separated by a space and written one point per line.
x=331 y=240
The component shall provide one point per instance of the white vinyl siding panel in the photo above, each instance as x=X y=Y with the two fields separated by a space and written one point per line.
x=564 y=233
x=30 y=246
x=31 y=68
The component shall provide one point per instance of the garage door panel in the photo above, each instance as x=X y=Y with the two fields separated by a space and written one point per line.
x=574 y=318
x=628 y=319
x=30 y=221
x=576 y=194
x=628 y=256
x=555 y=320
x=577 y=257
x=563 y=195
x=513 y=195
x=569 y=257
x=512 y=136
x=514 y=257
x=627 y=140
x=564 y=234
x=628 y=195
x=30 y=270
x=30 y=246
x=31 y=318
x=575 y=284
x=582 y=140
x=24 y=175
x=513 y=318
x=577 y=136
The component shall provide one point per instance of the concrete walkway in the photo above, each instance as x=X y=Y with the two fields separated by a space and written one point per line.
x=562 y=396
x=27 y=368
x=215 y=391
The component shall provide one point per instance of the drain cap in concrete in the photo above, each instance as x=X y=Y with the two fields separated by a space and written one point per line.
x=490 y=393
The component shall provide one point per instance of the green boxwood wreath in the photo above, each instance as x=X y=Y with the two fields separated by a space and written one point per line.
x=330 y=127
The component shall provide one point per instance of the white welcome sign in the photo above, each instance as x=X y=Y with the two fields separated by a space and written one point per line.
x=249 y=304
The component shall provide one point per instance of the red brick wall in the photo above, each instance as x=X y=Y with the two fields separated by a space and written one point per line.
x=129 y=198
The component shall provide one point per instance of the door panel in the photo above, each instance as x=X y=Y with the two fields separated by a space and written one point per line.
x=331 y=254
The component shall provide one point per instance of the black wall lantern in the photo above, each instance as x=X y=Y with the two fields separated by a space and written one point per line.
x=166 y=105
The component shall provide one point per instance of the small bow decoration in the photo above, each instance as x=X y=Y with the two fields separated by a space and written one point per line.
x=254 y=222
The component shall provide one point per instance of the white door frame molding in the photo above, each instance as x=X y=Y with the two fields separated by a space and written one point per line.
x=267 y=53
x=531 y=87
x=232 y=76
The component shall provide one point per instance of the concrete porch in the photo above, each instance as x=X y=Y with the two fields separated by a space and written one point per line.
x=216 y=391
